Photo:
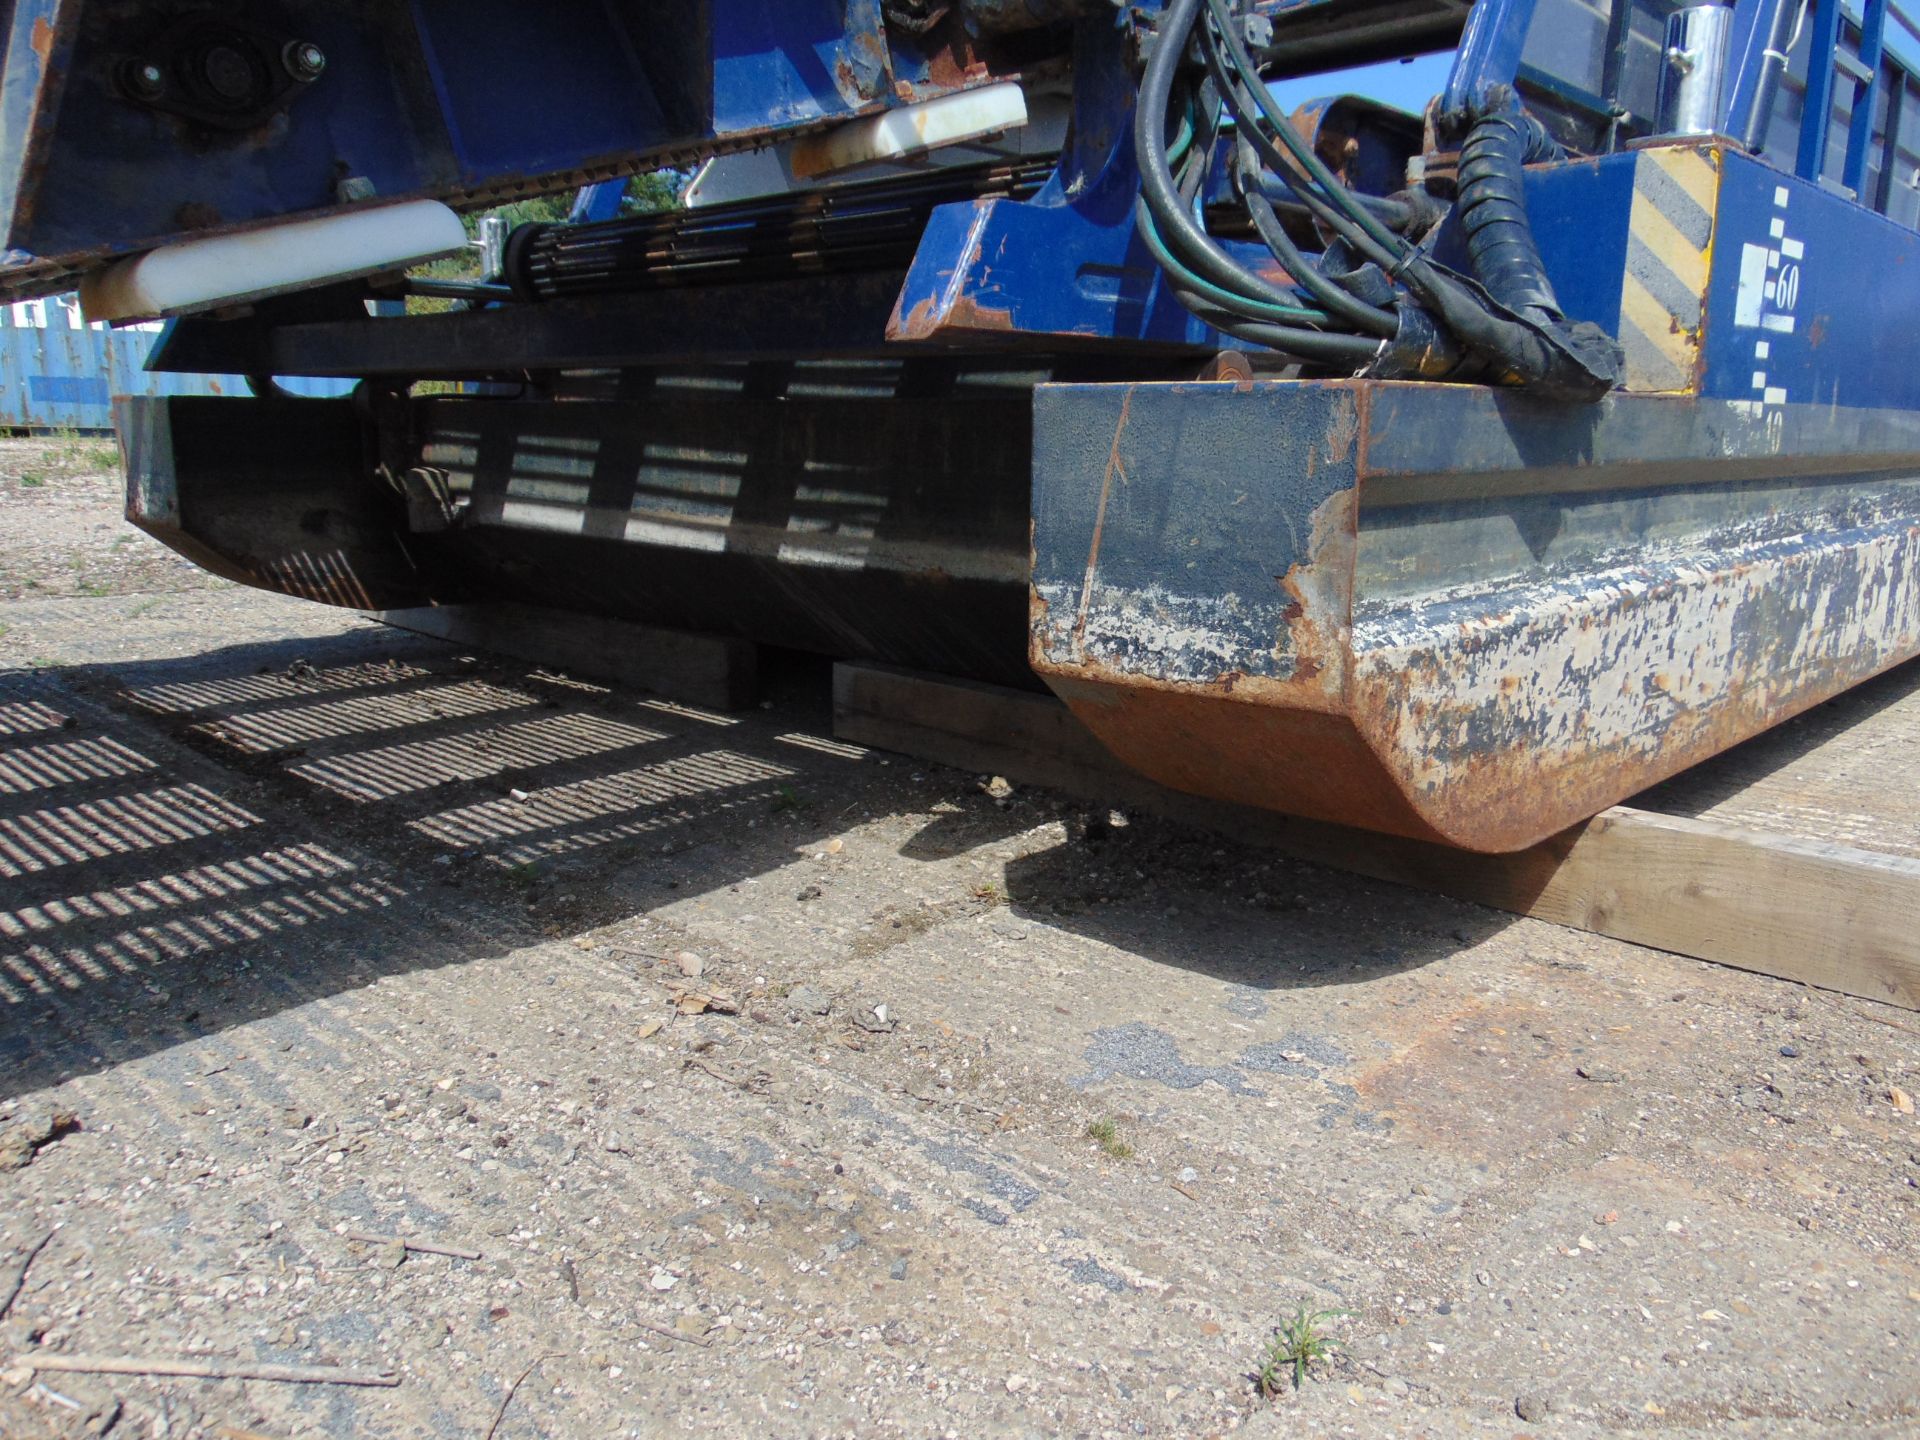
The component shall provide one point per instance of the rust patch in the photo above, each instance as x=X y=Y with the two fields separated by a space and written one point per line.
x=1228 y=367
x=967 y=313
x=864 y=70
x=929 y=320
x=955 y=62
x=1484 y=1082
x=1244 y=747
x=1320 y=589
x=42 y=41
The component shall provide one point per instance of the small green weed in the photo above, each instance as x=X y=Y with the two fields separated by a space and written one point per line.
x=785 y=798
x=76 y=451
x=1106 y=1135
x=1298 y=1344
x=32 y=479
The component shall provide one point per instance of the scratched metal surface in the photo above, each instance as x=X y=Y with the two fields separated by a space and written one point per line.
x=1453 y=614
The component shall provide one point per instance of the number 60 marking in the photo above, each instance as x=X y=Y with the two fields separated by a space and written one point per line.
x=1786 y=290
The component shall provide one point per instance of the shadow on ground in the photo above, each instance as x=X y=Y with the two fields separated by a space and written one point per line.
x=193 y=844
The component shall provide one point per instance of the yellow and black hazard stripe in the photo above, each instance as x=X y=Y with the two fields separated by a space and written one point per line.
x=1669 y=256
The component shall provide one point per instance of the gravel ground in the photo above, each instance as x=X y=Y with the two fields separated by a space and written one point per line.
x=787 y=1088
x=61 y=532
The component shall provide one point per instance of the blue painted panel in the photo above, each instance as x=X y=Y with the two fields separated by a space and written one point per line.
x=534 y=97
x=1580 y=214
x=1043 y=269
x=1069 y=261
x=465 y=99
x=69 y=389
x=1789 y=319
x=782 y=62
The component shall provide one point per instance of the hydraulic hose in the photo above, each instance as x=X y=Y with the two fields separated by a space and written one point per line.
x=1493 y=211
x=1243 y=64
x=1337 y=302
x=1508 y=327
x=1781 y=28
x=1177 y=227
x=1348 y=351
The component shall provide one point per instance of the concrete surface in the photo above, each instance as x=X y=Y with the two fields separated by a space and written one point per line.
x=316 y=928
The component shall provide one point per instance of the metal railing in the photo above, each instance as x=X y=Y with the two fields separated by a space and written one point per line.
x=1845 y=50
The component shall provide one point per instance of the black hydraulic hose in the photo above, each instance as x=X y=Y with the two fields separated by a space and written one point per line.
x=1393 y=213
x=1319 y=346
x=1493 y=211
x=1516 y=328
x=1777 y=25
x=1521 y=351
x=1224 y=37
x=1178 y=230
x=1338 y=301
x=1248 y=124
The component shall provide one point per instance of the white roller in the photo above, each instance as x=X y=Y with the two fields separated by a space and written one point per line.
x=228 y=269
x=912 y=130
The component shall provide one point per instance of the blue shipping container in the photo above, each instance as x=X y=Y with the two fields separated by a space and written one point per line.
x=57 y=372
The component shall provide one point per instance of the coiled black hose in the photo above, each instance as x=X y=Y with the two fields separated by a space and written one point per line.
x=1493 y=211
x=1413 y=316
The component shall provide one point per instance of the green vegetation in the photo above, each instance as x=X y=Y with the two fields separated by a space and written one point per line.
x=1298 y=1344
x=89 y=453
x=1106 y=1135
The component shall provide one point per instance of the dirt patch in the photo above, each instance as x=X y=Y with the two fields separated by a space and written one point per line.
x=1018 y=1120
x=62 y=532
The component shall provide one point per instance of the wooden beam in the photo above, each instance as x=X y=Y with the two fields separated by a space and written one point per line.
x=1826 y=914
x=711 y=670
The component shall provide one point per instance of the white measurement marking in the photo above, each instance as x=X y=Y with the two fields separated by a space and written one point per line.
x=1769 y=292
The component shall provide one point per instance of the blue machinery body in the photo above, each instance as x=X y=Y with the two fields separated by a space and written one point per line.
x=1475 y=499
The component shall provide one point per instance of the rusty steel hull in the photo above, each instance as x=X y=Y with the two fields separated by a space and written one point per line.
x=1450 y=613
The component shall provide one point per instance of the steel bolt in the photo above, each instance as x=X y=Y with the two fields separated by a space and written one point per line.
x=146 y=80
x=305 y=60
